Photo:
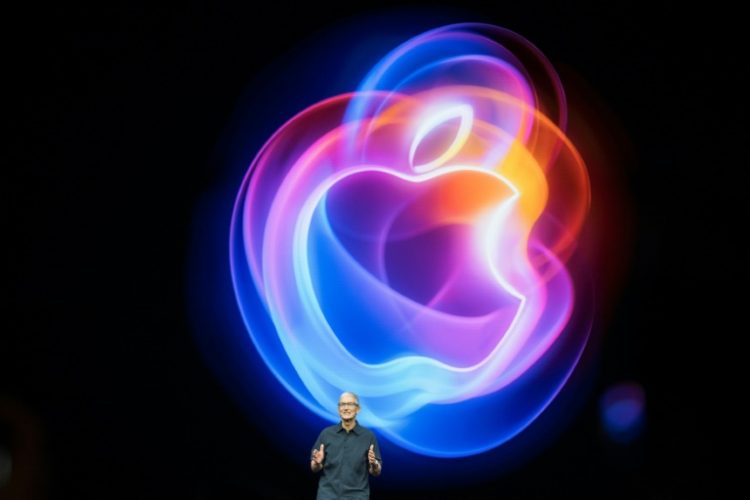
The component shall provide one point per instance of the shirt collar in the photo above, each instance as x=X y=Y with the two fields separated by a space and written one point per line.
x=355 y=429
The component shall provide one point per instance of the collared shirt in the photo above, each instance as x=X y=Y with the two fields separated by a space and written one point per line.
x=345 y=466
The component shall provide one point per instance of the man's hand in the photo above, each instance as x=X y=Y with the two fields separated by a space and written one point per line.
x=317 y=460
x=372 y=461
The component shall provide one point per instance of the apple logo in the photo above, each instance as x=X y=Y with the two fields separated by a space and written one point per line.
x=417 y=254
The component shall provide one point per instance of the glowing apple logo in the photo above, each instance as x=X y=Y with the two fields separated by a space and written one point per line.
x=412 y=242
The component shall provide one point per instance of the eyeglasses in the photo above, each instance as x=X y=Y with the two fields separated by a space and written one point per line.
x=348 y=405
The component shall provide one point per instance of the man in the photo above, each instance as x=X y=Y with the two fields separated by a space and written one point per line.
x=344 y=454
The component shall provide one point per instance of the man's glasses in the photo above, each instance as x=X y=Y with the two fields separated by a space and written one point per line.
x=347 y=405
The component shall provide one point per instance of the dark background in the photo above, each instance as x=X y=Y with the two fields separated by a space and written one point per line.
x=117 y=115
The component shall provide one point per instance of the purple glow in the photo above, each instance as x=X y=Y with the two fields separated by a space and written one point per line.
x=412 y=242
x=622 y=411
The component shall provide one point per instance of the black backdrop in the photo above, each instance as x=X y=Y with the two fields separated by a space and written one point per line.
x=117 y=114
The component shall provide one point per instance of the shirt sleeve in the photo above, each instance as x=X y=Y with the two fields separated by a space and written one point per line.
x=376 y=449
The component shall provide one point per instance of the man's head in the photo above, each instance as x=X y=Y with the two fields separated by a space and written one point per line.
x=348 y=406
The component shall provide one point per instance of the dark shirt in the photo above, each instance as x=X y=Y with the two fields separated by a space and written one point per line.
x=345 y=467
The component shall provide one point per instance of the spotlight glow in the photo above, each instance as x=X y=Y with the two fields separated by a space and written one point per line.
x=622 y=410
x=412 y=242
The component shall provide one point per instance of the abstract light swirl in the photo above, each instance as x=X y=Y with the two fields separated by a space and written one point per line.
x=411 y=241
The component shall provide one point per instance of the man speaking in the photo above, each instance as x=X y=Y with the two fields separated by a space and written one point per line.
x=344 y=454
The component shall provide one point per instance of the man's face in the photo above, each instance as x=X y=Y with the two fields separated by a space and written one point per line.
x=348 y=407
